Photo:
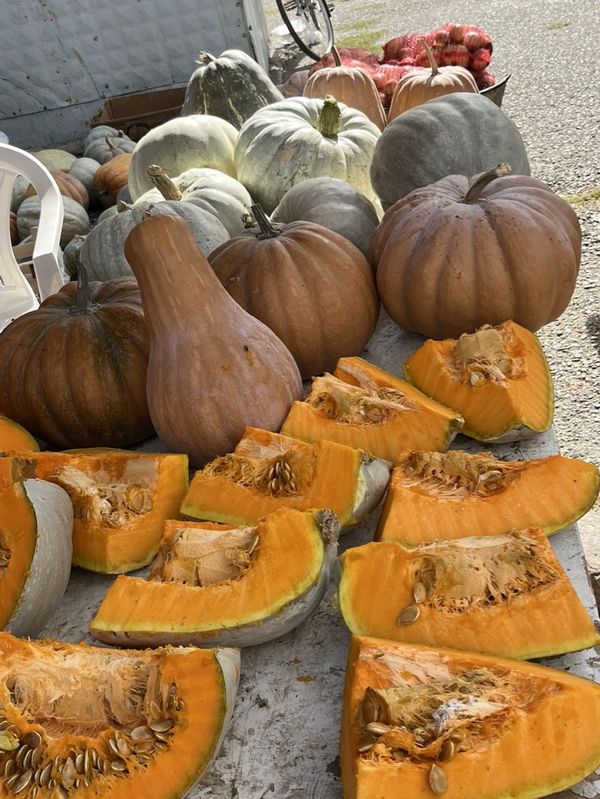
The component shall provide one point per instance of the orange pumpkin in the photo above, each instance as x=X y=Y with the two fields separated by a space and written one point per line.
x=68 y=186
x=111 y=177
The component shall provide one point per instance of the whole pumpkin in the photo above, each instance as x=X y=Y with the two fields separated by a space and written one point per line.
x=111 y=177
x=457 y=134
x=311 y=286
x=73 y=372
x=498 y=247
x=68 y=186
x=75 y=219
x=105 y=148
x=232 y=86
x=418 y=87
x=300 y=138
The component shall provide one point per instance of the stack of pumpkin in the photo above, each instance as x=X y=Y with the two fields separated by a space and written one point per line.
x=204 y=325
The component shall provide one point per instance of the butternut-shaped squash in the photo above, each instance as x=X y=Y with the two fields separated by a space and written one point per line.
x=269 y=471
x=497 y=379
x=454 y=494
x=423 y=722
x=368 y=408
x=505 y=595
x=89 y=722
x=120 y=500
x=215 y=584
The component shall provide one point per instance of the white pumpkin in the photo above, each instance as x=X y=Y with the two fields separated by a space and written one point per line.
x=198 y=140
x=300 y=138
x=213 y=191
x=75 y=220
x=55 y=160
x=50 y=568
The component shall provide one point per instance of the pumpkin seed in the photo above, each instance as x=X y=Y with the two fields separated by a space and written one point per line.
x=80 y=762
x=27 y=759
x=163 y=725
x=448 y=750
x=23 y=782
x=87 y=760
x=62 y=793
x=141 y=734
x=161 y=736
x=155 y=710
x=9 y=768
x=438 y=780
x=161 y=745
x=94 y=758
x=44 y=777
x=420 y=592
x=364 y=747
x=112 y=745
x=409 y=615
x=32 y=739
x=36 y=757
x=123 y=746
x=4 y=723
x=118 y=765
x=68 y=774
x=11 y=780
x=377 y=728
x=21 y=755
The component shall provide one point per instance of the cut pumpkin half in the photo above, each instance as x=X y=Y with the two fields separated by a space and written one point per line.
x=497 y=378
x=218 y=584
x=505 y=595
x=367 y=408
x=454 y=494
x=269 y=471
x=120 y=501
x=76 y=720
x=14 y=438
x=421 y=722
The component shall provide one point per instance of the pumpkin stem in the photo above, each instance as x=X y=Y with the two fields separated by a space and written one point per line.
x=328 y=123
x=111 y=146
x=267 y=231
x=336 y=56
x=430 y=57
x=205 y=58
x=478 y=184
x=123 y=206
x=82 y=297
x=167 y=187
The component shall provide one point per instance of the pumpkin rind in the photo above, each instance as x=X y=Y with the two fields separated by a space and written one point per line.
x=309 y=285
x=199 y=140
x=281 y=584
x=549 y=493
x=14 y=437
x=246 y=376
x=283 y=144
x=75 y=219
x=232 y=87
x=457 y=134
x=333 y=203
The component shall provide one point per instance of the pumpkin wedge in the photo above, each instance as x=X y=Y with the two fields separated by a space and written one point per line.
x=82 y=721
x=14 y=437
x=215 y=584
x=367 y=408
x=120 y=500
x=36 y=523
x=423 y=722
x=269 y=471
x=505 y=595
x=456 y=494
x=497 y=378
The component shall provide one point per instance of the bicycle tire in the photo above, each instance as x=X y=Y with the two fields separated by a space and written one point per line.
x=320 y=10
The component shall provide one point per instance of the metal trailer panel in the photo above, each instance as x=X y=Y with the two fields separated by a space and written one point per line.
x=60 y=59
x=283 y=741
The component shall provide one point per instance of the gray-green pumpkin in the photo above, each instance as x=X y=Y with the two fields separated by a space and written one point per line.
x=103 y=250
x=232 y=86
x=84 y=170
x=72 y=256
x=75 y=218
x=333 y=203
x=104 y=148
x=457 y=134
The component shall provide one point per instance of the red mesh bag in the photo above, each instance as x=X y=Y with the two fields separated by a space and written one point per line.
x=480 y=60
x=350 y=57
x=456 y=55
x=485 y=79
x=400 y=48
x=387 y=77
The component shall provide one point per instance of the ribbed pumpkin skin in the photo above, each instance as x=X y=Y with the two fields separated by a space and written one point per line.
x=515 y=254
x=78 y=379
x=232 y=86
x=105 y=148
x=350 y=85
x=75 y=220
x=110 y=178
x=311 y=286
x=213 y=369
x=68 y=186
x=458 y=134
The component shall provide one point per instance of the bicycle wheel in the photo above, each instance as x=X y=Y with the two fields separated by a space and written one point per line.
x=309 y=24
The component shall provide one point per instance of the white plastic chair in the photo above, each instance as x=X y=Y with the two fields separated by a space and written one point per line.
x=16 y=295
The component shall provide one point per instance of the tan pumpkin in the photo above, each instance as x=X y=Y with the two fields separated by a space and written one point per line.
x=497 y=247
x=68 y=186
x=418 y=87
x=310 y=285
x=111 y=177
x=350 y=85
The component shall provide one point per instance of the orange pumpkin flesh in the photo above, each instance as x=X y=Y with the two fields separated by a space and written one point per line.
x=215 y=583
x=13 y=437
x=18 y=535
x=87 y=713
x=120 y=500
x=514 y=729
x=269 y=471
x=451 y=495
x=497 y=379
x=505 y=595
x=367 y=408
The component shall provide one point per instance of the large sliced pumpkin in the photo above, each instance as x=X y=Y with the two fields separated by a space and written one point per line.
x=120 y=500
x=455 y=494
x=82 y=721
x=421 y=722
x=497 y=378
x=15 y=437
x=505 y=594
x=36 y=523
x=269 y=471
x=367 y=408
x=214 y=584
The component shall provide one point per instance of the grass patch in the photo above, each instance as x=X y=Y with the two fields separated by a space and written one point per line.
x=556 y=26
x=369 y=40
x=357 y=27
x=589 y=199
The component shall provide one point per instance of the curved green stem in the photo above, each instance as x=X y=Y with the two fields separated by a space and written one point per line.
x=330 y=116
x=267 y=231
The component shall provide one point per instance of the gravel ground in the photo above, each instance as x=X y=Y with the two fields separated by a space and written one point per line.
x=548 y=46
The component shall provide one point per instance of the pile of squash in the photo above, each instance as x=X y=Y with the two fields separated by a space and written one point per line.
x=245 y=250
